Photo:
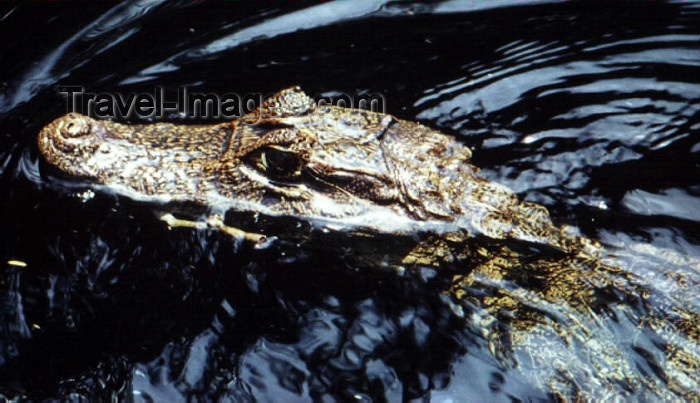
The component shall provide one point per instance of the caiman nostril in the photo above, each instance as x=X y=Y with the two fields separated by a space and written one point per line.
x=75 y=128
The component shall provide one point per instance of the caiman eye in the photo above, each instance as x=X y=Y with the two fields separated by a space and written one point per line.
x=280 y=163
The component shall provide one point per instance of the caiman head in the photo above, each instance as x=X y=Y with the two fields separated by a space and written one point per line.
x=342 y=168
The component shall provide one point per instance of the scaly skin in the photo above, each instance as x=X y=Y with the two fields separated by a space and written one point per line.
x=541 y=297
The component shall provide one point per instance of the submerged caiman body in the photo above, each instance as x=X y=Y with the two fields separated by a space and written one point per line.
x=542 y=297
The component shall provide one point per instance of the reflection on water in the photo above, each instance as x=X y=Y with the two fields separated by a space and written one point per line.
x=590 y=109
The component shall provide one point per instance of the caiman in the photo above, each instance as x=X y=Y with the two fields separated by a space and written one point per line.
x=581 y=321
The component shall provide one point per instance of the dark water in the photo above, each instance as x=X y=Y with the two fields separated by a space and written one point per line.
x=589 y=108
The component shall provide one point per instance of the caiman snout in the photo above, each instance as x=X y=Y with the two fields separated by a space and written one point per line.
x=65 y=134
x=69 y=141
x=73 y=125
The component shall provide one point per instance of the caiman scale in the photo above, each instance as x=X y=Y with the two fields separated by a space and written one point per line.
x=544 y=299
